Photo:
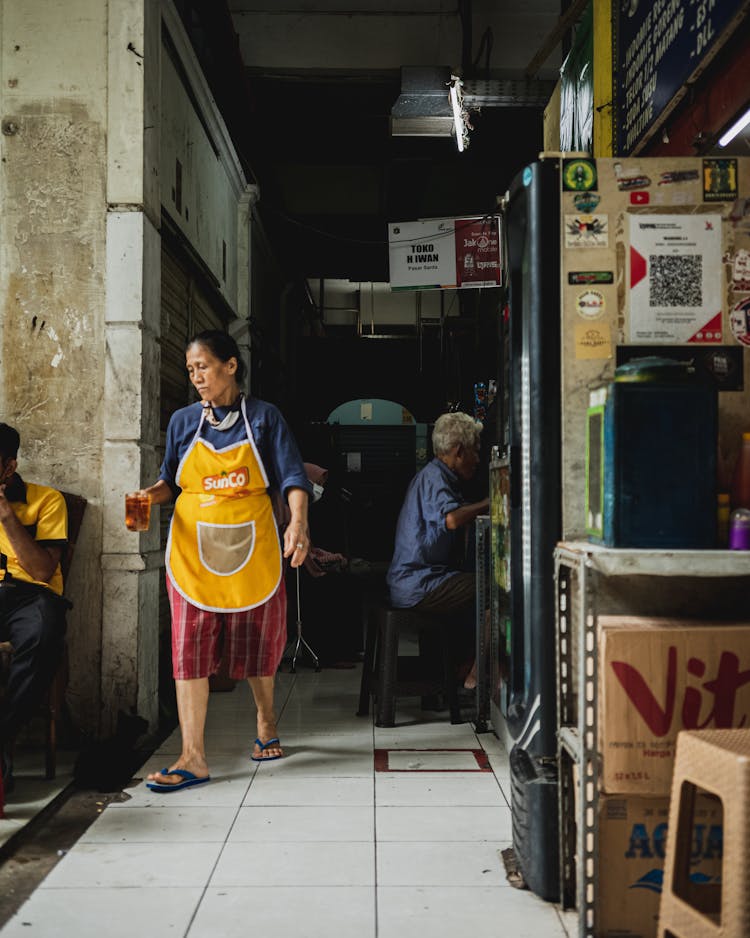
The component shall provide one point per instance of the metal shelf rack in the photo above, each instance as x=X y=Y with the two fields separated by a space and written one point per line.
x=592 y=580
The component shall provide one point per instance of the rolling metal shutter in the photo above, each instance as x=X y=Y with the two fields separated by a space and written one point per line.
x=187 y=307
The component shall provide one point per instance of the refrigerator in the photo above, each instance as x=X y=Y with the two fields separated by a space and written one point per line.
x=608 y=261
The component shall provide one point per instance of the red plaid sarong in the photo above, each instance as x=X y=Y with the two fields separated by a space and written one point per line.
x=253 y=641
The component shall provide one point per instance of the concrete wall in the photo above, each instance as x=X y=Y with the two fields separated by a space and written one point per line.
x=154 y=121
x=130 y=562
x=53 y=106
x=81 y=183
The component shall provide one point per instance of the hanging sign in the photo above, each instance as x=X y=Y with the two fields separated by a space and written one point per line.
x=478 y=252
x=675 y=279
x=445 y=253
x=659 y=46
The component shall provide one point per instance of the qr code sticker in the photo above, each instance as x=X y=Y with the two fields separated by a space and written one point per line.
x=676 y=281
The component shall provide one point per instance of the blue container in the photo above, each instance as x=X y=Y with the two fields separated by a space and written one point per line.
x=651 y=454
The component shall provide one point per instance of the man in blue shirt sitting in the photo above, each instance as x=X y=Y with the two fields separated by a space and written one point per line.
x=426 y=571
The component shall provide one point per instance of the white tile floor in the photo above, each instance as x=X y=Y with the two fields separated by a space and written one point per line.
x=33 y=792
x=315 y=844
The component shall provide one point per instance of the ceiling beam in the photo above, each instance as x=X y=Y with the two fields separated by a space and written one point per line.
x=568 y=19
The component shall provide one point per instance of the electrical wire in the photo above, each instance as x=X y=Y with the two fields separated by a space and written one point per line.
x=465 y=15
x=485 y=45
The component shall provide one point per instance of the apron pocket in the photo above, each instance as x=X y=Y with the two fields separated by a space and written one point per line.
x=225 y=548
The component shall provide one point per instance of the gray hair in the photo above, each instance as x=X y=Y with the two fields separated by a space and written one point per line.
x=453 y=429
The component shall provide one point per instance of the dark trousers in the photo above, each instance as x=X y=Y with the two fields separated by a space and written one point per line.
x=32 y=619
x=454 y=599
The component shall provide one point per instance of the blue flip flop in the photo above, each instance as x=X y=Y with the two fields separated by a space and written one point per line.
x=188 y=779
x=263 y=746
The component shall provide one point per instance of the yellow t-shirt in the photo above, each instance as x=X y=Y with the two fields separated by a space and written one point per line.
x=43 y=513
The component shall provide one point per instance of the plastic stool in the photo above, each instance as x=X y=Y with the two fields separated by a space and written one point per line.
x=717 y=761
x=401 y=675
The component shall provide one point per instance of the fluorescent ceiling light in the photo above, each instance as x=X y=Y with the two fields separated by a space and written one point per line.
x=736 y=127
x=458 y=121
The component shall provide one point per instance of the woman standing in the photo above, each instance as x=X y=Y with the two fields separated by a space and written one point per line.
x=224 y=562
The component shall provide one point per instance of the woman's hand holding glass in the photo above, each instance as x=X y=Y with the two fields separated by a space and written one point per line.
x=137 y=510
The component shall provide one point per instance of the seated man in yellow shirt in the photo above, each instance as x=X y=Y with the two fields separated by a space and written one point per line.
x=33 y=536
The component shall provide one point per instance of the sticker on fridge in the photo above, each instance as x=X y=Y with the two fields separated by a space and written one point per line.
x=590 y=276
x=678 y=175
x=586 y=231
x=592 y=340
x=579 y=175
x=586 y=202
x=739 y=321
x=590 y=304
x=741 y=271
x=719 y=180
x=675 y=279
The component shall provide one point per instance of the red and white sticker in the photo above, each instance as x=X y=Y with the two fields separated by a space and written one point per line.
x=675 y=279
x=741 y=271
x=590 y=304
x=586 y=231
x=739 y=321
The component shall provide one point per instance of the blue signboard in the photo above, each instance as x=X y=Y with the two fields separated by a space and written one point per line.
x=658 y=46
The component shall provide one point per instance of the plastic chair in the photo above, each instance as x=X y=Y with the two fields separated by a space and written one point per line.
x=54 y=699
x=718 y=762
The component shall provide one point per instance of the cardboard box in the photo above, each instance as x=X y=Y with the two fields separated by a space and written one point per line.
x=657 y=677
x=632 y=843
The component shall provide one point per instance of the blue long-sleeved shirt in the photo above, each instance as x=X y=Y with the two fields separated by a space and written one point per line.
x=425 y=549
x=276 y=445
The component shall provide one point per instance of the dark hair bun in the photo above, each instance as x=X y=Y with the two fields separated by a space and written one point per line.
x=222 y=346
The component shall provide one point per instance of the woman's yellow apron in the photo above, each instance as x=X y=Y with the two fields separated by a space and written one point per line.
x=223 y=553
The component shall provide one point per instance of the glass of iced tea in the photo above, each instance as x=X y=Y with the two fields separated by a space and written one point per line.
x=137 y=511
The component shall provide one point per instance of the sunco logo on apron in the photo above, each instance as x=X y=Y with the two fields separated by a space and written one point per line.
x=223 y=553
x=236 y=479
